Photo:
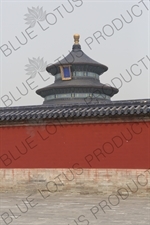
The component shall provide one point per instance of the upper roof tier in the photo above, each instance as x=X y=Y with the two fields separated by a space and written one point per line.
x=77 y=58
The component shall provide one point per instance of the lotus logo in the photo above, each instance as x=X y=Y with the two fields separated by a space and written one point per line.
x=36 y=66
x=35 y=15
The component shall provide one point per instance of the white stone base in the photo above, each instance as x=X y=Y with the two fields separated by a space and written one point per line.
x=82 y=181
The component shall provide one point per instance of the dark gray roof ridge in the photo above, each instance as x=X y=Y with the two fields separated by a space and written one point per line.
x=116 y=108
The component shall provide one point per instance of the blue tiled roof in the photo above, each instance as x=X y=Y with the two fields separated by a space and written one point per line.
x=112 y=109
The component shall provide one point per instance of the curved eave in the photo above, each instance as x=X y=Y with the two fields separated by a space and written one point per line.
x=95 y=89
x=90 y=67
x=77 y=58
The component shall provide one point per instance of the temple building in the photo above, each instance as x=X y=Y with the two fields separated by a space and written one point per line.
x=78 y=127
x=76 y=79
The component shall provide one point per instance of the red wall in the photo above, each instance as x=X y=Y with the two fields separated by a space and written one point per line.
x=112 y=145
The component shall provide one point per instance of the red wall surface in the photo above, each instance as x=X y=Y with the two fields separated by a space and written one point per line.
x=103 y=145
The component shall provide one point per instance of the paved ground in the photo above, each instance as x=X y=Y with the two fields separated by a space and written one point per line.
x=68 y=209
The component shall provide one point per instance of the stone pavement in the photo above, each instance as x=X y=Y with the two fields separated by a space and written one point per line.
x=73 y=209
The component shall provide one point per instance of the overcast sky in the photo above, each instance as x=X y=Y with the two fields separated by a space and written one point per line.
x=114 y=33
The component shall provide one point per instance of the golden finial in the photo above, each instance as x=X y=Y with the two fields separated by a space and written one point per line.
x=76 y=39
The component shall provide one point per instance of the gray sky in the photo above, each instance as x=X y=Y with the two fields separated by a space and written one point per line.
x=124 y=27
